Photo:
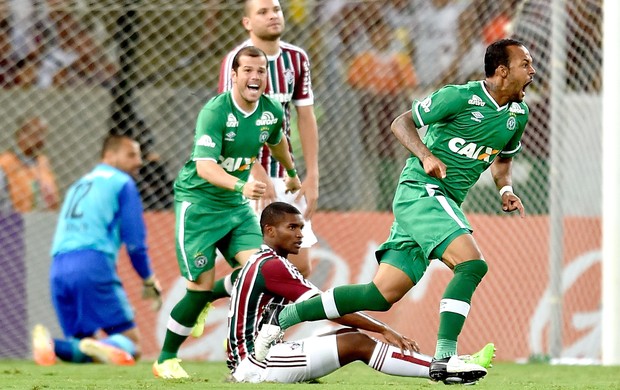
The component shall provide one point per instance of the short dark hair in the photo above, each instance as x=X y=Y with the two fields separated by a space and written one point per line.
x=497 y=54
x=113 y=142
x=250 y=51
x=275 y=212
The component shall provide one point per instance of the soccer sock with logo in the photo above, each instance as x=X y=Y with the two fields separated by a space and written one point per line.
x=182 y=319
x=455 y=305
x=390 y=360
x=334 y=303
x=223 y=287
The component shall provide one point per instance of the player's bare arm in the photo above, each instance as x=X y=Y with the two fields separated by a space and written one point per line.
x=405 y=131
x=259 y=174
x=501 y=170
x=214 y=174
x=280 y=152
x=365 y=322
x=309 y=137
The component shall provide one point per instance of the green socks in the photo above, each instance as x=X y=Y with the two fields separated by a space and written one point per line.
x=455 y=305
x=335 y=303
x=182 y=319
x=223 y=287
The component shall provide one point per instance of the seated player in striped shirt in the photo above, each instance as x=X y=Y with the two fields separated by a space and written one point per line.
x=269 y=279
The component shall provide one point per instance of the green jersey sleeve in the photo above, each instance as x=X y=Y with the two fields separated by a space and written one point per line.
x=210 y=127
x=513 y=147
x=276 y=134
x=438 y=106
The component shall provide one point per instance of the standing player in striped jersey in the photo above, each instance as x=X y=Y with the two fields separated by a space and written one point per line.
x=471 y=128
x=269 y=278
x=289 y=82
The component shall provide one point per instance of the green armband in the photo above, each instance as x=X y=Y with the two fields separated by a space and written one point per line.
x=239 y=186
x=291 y=172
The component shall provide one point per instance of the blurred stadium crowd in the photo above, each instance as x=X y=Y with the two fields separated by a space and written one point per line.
x=369 y=58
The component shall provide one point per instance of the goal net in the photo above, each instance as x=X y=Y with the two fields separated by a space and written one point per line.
x=85 y=68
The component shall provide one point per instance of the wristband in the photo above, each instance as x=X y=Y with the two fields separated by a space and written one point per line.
x=505 y=189
x=239 y=186
x=291 y=172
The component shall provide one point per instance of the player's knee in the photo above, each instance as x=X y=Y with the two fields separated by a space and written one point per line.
x=376 y=300
x=477 y=268
x=354 y=346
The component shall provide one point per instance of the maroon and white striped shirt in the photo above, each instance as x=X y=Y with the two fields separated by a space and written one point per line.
x=288 y=81
x=265 y=278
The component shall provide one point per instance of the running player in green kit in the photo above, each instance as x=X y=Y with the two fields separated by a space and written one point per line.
x=212 y=197
x=471 y=127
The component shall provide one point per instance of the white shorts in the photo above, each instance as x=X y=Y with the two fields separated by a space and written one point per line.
x=292 y=361
x=281 y=196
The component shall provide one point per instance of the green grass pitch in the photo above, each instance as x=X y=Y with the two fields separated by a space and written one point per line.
x=20 y=374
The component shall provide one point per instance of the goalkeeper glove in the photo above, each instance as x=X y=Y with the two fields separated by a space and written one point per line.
x=151 y=289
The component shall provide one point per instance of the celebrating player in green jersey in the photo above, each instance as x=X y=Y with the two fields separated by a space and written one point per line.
x=211 y=192
x=471 y=127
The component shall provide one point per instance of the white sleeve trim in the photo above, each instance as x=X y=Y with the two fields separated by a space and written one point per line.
x=417 y=114
x=515 y=150
x=204 y=159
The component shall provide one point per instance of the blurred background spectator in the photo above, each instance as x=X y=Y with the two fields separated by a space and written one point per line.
x=384 y=78
x=27 y=182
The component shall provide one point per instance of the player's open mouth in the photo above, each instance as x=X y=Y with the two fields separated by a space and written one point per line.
x=253 y=87
x=526 y=85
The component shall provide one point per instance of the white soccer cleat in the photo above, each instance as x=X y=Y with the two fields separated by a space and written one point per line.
x=269 y=332
x=454 y=370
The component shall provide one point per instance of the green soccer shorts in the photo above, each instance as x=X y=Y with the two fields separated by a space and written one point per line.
x=200 y=231
x=425 y=223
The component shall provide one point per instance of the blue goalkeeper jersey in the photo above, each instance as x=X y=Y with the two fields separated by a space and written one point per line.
x=101 y=211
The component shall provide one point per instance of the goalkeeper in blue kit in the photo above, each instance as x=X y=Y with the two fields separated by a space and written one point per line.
x=471 y=128
x=101 y=211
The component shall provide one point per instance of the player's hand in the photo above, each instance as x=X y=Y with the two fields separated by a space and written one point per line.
x=254 y=189
x=511 y=202
x=396 y=339
x=268 y=197
x=292 y=184
x=151 y=289
x=309 y=190
x=434 y=167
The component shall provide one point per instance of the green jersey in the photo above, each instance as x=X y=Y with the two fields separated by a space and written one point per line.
x=467 y=130
x=232 y=138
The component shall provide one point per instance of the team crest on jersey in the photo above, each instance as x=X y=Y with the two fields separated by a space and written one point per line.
x=476 y=101
x=266 y=119
x=231 y=121
x=426 y=104
x=289 y=76
x=200 y=260
x=511 y=123
x=263 y=136
x=230 y=136
x=205 y=140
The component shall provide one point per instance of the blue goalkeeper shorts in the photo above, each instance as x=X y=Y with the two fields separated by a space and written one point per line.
x=87 y=294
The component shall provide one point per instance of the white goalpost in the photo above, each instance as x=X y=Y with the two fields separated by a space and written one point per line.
x=611 y=188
